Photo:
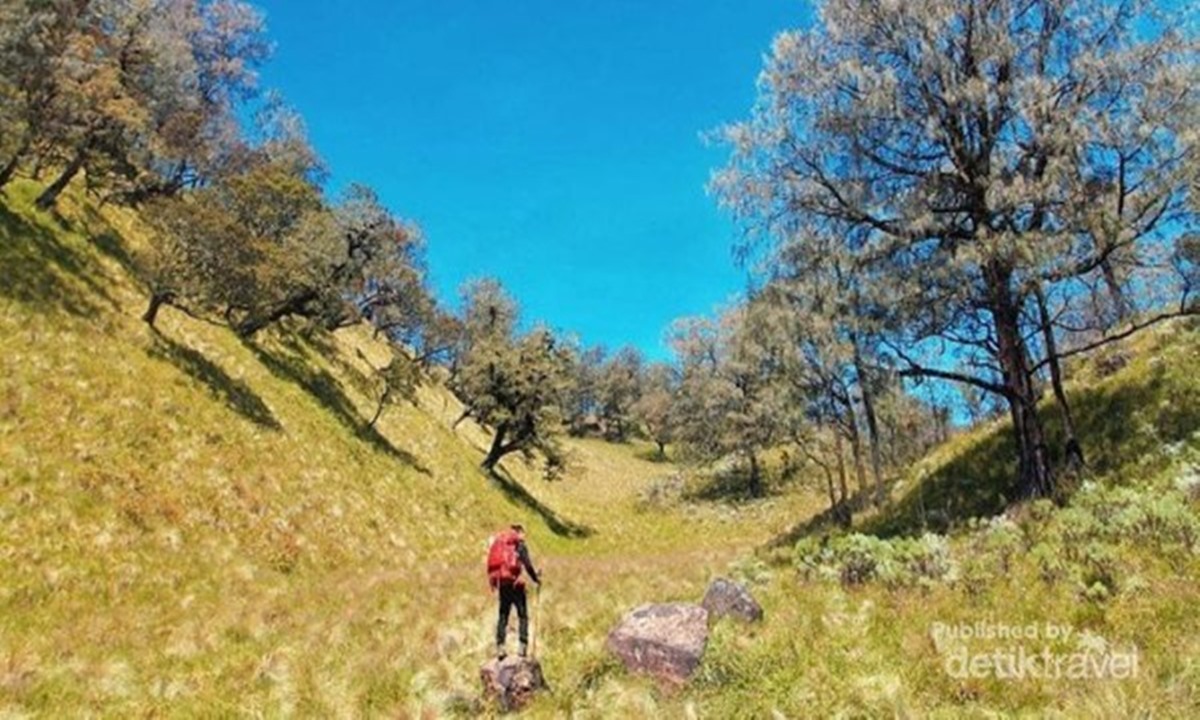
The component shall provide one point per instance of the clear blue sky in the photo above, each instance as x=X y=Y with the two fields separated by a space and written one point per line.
x=552 y=144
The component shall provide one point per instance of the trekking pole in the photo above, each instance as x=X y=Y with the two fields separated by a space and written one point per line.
x=537 y=603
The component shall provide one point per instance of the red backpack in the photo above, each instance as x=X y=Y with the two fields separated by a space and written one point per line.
x=503 y=562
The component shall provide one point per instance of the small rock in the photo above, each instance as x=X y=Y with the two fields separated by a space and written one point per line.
x=666 y=641
x=511 y=682
x=725 y=598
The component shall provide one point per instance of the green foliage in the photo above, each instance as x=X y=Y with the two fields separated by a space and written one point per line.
x=1083 y=545
x=654 y=408
x=992 y=547
x=855 y=559
x=618 y=388
x=259 y=245
x=140 y=95
x=380 y=275
x=250 y=247
x=512 y=383
x=727 y=402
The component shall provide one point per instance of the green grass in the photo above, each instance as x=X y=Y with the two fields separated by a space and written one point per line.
x=192 y=525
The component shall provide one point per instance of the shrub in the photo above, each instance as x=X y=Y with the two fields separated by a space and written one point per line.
x=1188 y=483
x=1097 y=572
x=1161 y=516
x=990 y=552
x=661 y=493
x=856 y=559
x=1051 y=564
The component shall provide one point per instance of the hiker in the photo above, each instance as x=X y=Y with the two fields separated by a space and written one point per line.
x=506 y=557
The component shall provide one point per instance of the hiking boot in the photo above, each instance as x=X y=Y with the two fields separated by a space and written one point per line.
x=522 y=651
x=501 y=653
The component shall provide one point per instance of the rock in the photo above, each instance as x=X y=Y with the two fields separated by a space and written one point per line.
x=511 y=682
x=725 y=598
x=666 y=641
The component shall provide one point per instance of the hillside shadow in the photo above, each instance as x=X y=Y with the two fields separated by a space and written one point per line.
x=38 y=268
x=652 y=455
x=978 y=482
x=517 y=493
x=297 y=367
x=236 y=394
x=828 y=519
x=112 y=246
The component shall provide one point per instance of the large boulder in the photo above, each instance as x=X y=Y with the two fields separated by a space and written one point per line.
x=666 y=641
x=511 y=682
x=726 y=598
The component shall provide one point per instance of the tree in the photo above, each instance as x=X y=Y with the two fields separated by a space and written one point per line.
x=102 y=94
x=142 y=92
x=259 y=243
x=617 y=389
x=654 y=409
x=965 y=154
x=32 y=40
x=204 y=58
x=251 y=248
x=816 y=301
x=727 y=404
x=382 y=270
x=582 y=403
x=398 y=381
x=511 y=383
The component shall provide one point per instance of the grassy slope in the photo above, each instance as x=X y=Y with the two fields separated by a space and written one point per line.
x=191 y=524
x=867 y=650
x=1124 y=417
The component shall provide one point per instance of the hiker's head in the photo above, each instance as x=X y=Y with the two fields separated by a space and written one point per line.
x=519 y=529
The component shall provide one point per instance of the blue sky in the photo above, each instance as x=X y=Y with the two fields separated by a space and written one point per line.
x=554 y=145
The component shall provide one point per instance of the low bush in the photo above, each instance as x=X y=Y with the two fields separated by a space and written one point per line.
x=855 y=559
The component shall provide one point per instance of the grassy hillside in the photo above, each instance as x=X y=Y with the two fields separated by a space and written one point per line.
x=1115 y=564
x=1130 y=403
x=191 y=524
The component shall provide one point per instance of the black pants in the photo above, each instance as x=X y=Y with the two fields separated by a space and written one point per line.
x=510 y=595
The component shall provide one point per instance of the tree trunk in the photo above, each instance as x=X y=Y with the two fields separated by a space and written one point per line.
x=847 y=511
x=755 y=476
x=860 y=471
x=1074 y=450
x=292 y=306
x=383 y=400
x=833 y=498
x=47 y=199
x=10 y=168
x=1115 y=292
x=157 y=300
x=497 y=450
x=868 y=400
x=1034 y=476
x=837 y=506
